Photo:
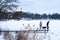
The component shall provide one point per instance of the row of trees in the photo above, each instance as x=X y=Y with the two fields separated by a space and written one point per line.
x=10 y=5
x=20 y=14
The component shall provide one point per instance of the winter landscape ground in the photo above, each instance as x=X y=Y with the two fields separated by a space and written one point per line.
x=53 y=34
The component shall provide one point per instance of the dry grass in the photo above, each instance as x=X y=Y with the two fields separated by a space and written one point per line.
x=0 y=31
x=19 y=35
x=8 y=36
x=22 y=36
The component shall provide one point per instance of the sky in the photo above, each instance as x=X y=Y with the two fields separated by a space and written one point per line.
x=40 y=6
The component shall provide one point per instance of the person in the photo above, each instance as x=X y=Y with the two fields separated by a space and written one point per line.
x=48 y=24
x=40 y=24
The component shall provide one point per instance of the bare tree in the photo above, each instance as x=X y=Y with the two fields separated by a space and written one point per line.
x=6 y=5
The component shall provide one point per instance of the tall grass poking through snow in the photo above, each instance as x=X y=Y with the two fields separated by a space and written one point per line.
x=0 y=31
x=20 y=35
x=8 y=36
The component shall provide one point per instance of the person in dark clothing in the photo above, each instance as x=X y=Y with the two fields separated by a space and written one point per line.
x=48 y=24
x=40 y=25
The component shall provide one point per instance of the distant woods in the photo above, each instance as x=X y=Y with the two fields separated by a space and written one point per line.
x=7 y=7
x=20 y=15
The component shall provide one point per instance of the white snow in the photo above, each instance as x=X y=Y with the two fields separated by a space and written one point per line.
x=54 y=32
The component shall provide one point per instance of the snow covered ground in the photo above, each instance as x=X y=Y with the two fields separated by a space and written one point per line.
x=53 y=34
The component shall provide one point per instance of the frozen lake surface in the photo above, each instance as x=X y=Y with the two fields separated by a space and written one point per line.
x=54 y=26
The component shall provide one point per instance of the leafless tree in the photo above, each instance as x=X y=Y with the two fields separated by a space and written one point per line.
x=6 y=5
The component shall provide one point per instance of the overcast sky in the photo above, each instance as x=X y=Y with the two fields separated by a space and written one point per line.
x=40 y=6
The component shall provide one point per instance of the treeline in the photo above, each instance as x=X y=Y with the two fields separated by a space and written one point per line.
x=20 y=14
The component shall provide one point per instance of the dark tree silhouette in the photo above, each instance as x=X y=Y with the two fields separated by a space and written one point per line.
x=6 y=5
